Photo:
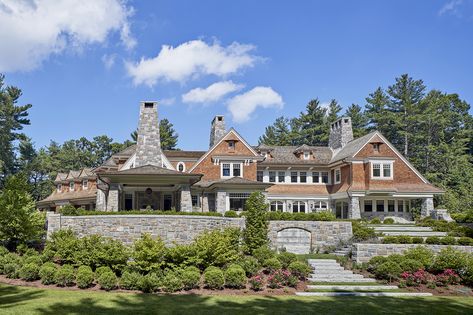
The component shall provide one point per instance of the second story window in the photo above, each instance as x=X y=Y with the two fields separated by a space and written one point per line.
x=272 y=176
x=324 y=176
x=281 y=177
x=85 y=184
x=71 y=186
x=259 y=176
x=293 y=177
x=236 y=169
x=226 y=170
x=338 y=176
x=381 y=170
x=303 y=177
x=231 y=170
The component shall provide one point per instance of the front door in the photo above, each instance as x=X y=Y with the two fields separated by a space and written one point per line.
x=167 y=202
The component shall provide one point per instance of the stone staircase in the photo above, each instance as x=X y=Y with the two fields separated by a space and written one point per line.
x=333 y=280
x=405 y=229
x=343 y=251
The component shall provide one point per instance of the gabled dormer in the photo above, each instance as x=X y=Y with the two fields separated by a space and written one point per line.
x=304 y=152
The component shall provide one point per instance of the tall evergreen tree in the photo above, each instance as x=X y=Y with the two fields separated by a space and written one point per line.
x=334 y=110
x=279 y=133
x=377 y=112
x=311 y=127
x=359 y=120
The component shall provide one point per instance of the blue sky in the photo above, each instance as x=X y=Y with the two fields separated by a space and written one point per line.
x=85 y=68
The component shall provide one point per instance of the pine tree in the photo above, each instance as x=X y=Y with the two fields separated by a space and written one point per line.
x=334 y=110
x=377 y=112
x=359 y=121
x=279 y=133
x=255 y=234
x=311 y=127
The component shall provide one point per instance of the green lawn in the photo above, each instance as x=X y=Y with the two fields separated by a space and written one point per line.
x=24 y=301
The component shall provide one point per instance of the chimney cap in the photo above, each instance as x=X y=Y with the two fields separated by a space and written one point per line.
x=219 y=118
x=149 y=104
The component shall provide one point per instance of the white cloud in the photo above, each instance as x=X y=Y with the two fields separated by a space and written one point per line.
x=32 y=30
x=191 y=60
x=451 y=7
x=212 y=93
x=243 y=105
x=167 y=101
x=109 y=60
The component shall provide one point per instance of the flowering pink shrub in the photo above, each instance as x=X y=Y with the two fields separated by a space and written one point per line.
x=447 y=277
x=278 y=279
x=257 y=282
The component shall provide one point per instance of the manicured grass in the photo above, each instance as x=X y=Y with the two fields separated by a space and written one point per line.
x=22 y=300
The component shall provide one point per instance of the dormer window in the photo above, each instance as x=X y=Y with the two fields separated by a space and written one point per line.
x=71 y=186
x=306 y=155
x=59 y=187
x=231 y=145
x=85 y=184
x=376 y=147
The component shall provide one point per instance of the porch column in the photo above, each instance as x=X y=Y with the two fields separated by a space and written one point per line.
x=113 y=198
x=186 y=198
x=354 y=208
x=427 y=207
x=205 y=202
x=100 y=202
x=221 y=202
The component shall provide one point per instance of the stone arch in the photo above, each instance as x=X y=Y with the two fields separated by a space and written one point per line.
x=294 y=239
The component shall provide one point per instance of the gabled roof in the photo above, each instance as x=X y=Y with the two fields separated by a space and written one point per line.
x=282 y=155
x=302 y=148
x=175 y=154
x=89 y=194
x=352 y=147
x=60 y=177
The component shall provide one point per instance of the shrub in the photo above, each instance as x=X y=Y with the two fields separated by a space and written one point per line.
x=130 y=280
x=272 y=264
x=417 y=240
x=171 y=282
x=255 y=234
x=448 y=258
x=250 y=265
x=62 y=246
x=468 y=272
x=148 y=254
x=29 y=272
x=12 y=270
x=65 y=276
x=375 y=221
x=421 y=254
x=278 y=279
x=432 y=240
x=84 y=277
x=292 y=281
x=69 y=210
x=286 y=259
x=101 y=270
x=8 y=258
x=149 y=283
x=214 y=278
x=35 y=259
x=231 y=214
x=448 y=240
x=3 y=251
x=361 y=232
x=256 y=282
x=375 y=262
x=190 y=278
x=299 y=269
x=404 y=239
x=47 y=273
x=263 y=253
x=447 y=277
x=410 y=265
x=388 y=221
x=465 y=241
x=235 y=277
x=397 y=258
x=389 y=270
x=108 y=281
x=390 y=240
x=181 y=256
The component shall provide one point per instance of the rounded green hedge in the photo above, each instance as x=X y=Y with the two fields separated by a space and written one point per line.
x=235 y=277
x=85 y=277
x=214 y=278
x=108 y=281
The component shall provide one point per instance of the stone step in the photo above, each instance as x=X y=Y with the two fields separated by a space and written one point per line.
x=328 y=281
x=332 y=272
x=403 y=228
x=334 y=279
x=352 y=287
x=322 y=261
x=418 y=234
x=335 y=267
x=393 y=294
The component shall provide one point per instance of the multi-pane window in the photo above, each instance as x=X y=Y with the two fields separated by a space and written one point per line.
x=400 y=206
x=231 y=145
x=298 y=207
x=238 y=201
x=237 y=169
x=368 y=206
x=391 y=206
x=337 y=176
x=379 y=205
x=281 y=177
x=71 y=186
x=315 y=177
x=320 y=205
x=272 y=176
x=231 y=169
x=381 y=170
x=259 y=176
x=303 y=177
x=293 y=177
x=324 y=177
x=226 y=169
x=195 y=200
x=85 y=184
x=277 y=206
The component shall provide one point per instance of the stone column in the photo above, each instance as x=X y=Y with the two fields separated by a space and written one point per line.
x=205 y=202
x=101 y=201
x=354 y=208
x=186 y=198
x=221 y=202
x=427 y=207
x=113 y=198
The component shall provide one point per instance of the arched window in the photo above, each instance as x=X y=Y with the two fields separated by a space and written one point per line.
x=181 y=167
x=277 y=206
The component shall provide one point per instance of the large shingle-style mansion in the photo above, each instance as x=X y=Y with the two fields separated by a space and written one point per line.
x=363 y=177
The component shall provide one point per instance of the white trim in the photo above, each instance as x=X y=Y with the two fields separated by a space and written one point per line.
x=59 y=187
x=382 y=163
x=231 y=131
x=72 y=186
x=86 y=186
x=335 y=176
x=231 y=169
x=183 y=166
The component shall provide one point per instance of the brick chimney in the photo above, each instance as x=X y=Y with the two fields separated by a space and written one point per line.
x=217 y=130
x=341 y=133
x=148 y=150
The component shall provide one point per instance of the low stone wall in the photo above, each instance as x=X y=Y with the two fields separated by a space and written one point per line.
x=295 y=236
x=364 y=252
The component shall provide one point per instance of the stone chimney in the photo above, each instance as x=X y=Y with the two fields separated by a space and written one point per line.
x=217 y=130
x=341 y=133
x=148 y=149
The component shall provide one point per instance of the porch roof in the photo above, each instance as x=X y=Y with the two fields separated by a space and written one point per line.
x=234 y=182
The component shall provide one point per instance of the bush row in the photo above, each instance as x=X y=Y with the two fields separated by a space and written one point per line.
x=463 y=217
x=433 y=240
x=452 y=228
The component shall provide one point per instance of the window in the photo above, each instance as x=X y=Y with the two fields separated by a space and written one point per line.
x=320 y=205
x=379 y=205
x=368 y=206
x=391 y=207
x=59 y=187
x=315 y=177
x=338 y=176
x=281 y=177
x=400 y=206
x=71 y=186
x=306 y=155
x=303 y=177
x=237 y=170
x=381 y=170
x=324 y=177
x=195 y=201
x=293 y=177
x=298 y=207
x=181 y=167
x=85 y=184
x=272 y=176
x=277 y=206
x=231 y=145
x=238 y=201
x=128 y=201
x=259 y=176
x=376 y=147
x=225 y=169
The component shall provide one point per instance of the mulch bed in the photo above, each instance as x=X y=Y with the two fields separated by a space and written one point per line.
x=266 y=292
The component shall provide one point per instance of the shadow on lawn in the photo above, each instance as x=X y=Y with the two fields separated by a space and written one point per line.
x=223 y=305
x=11 y=296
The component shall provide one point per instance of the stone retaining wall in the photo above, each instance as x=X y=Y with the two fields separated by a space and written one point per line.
x=364 y=252
x=295 y=236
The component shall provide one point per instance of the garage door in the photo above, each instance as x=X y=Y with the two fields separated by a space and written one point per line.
x=294 y=240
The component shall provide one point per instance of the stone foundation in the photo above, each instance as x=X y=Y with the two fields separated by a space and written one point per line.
x=362 y=253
